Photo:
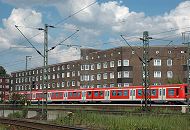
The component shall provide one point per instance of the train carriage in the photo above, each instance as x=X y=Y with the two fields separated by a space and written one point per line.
x=162 y=93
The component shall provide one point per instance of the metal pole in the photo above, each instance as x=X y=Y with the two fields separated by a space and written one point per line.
x=145 y=67
x=188 y=69
x=45 y=70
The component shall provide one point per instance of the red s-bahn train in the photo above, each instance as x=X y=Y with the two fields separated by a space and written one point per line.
x=162 y=93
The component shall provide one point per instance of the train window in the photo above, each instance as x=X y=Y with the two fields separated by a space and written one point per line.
x=119 y=93
x=139 y=92
x=96 y=93
x=101 y=93
x=113 y=93
x=61 y=94
x=186 y=89
x=153 y=92
x=74 y=94
x=70 y=94
x=89 y=93
x=177 y=92
x=163 y=92
x=160 y=92
x=171 y=92
x=56 y=94
x=125 y=93
x=78 y=93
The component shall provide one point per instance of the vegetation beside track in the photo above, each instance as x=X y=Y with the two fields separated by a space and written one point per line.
x=131 y=122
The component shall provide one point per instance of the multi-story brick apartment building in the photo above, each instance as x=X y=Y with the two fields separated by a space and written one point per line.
x=117 y=67
x=4 y=87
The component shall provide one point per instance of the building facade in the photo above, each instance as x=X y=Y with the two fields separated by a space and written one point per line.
x=4 y=87
x=116 y=67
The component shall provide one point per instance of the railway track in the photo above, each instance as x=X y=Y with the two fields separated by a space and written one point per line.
x=33 y=125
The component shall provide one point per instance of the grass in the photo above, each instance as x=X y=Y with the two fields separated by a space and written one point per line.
x=130 y=122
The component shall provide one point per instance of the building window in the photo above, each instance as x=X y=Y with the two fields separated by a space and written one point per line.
x=105 y=65
x=53 y=77
x=112 y=75
x=58 y=85
x=119 y=85
x=92 y=77
x=112 y=85
x=73 y=83
x=68 y=66
x=119 y=74
x=169 y=62
x=62 y=67
x=99 y=66
x=53 y=68
x=99 y=86
x=68 y=74
x=105 y=86
x=86 y=77
x=98 y=76
x=82 y=67
x=81 y=78
x=126 y=74
x=119 y=62
x=157 y=74
x=125 y=62
x=157 y=62
x=169 y=74
x=105 y=76
x=169 y=52
x=63 y=84
x=68 y=83
x=126 y=84
x=112 y=64
x=63 y=75
x=92 y=67
x=58 y=75
x=157 y=52
x=73 y=73
x=86 y=67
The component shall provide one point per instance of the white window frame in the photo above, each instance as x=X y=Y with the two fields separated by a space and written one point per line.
x=111 y=75
x=169 y=74
x=98 y=76
x=169 y=62
x=157 y=62
x=119 y=63
x=125 y=62
x=111 y=64
x=105 y=76
x=157 y=74
x=98 y=66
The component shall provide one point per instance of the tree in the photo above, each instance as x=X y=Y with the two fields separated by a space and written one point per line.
x=2 y=71
x=16 y=98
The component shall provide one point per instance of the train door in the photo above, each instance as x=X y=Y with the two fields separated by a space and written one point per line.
x=65 y=95
x=83 y=96
x=49 y=96
x=132 y=94
x=162 y=93
x=107 y=95
x=33 y=96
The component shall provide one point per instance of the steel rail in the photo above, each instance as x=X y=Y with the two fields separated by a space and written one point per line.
x=36 y=125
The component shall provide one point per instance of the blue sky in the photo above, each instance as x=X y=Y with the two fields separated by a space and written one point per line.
x=100 y=26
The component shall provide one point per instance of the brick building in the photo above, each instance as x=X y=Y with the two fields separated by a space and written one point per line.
x=119 y=67
x=4 y=87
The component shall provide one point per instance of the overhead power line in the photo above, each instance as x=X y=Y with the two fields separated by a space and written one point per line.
x=29 y=41
x=75 y=13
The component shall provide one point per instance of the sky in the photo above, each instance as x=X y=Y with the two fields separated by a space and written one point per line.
x=100 y=24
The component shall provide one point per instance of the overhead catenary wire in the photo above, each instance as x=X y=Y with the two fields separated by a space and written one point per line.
x=29 y=42
x=75 y=13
